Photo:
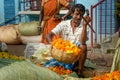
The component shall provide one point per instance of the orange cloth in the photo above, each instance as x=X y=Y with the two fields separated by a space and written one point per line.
x=50 y=8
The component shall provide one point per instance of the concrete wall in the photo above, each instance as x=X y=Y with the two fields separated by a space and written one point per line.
x=30 y=18
x=16 y=9
x=87 y=3
x=2 y=15
x=1 y=11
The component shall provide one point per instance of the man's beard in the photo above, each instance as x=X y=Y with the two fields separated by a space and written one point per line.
x=77 y=22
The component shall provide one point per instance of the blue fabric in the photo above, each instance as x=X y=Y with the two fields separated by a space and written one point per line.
x=78 y=44
x=53 y=62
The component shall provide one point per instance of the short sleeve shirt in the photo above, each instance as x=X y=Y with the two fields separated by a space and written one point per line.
x=66 y=31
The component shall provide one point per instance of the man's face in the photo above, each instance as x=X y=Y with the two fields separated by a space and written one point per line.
x=77 y=16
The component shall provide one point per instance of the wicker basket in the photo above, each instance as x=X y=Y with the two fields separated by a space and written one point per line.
x=61 y=56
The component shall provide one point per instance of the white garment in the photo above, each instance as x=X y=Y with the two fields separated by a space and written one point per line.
x=66 y=31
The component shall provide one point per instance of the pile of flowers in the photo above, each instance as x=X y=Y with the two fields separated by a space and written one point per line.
x=66 y=46
x=109 y=76
x=60 y=70
x=6 y=55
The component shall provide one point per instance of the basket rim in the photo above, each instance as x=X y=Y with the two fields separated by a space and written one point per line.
x=70 y=59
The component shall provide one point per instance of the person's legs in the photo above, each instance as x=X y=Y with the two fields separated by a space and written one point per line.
x=82 y=58
x=78 y=66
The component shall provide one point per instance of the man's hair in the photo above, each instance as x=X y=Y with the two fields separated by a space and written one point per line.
x=80 y=7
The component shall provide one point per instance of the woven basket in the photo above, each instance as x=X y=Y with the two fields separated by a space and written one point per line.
x=61 y=56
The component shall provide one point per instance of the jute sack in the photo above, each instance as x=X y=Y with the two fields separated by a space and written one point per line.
x=30 y=39
x=29 y=28
x=61 y=56
x=9 y=34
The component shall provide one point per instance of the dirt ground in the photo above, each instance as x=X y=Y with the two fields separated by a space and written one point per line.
x=102 y=60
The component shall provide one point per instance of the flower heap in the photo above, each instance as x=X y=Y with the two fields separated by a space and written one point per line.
x=109 y=76
x=66 y=46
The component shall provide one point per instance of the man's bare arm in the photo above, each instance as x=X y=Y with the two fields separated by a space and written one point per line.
x=49 y=37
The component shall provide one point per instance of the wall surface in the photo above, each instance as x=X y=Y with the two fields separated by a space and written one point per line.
x=8 y=11
x=86 y=3
x=1 y=11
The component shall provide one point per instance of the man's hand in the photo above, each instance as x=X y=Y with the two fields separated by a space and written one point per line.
x=63 y=18
x=86 y=21
x=40 y=30
x=57 y=17
x=49 y=37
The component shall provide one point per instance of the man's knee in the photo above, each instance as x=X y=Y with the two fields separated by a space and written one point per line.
x=83 y=47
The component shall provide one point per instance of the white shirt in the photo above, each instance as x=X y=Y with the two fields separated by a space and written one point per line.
x=66 y=31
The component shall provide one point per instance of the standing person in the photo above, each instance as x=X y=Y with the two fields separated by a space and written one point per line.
x=50 y=17
x=74 y=30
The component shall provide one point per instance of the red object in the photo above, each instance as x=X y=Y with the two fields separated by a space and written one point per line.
x=70 y=0
x=35 y=5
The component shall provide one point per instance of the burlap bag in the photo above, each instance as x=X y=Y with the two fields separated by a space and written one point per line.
x=9 y=34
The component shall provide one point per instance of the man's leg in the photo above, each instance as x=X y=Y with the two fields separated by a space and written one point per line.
x=79 y=64
x=82 y=58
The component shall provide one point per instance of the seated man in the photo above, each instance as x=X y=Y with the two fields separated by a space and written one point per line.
x=74 y=30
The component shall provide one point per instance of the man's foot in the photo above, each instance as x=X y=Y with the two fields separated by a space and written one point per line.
x=79 y=72
x=80 y=75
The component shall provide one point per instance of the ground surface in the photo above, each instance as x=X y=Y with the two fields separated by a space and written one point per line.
x=102 y=60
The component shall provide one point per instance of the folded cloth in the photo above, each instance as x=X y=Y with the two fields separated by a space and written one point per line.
x=78 y=44
x=53 y=62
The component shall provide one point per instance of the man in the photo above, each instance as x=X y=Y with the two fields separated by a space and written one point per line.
x=74 y=30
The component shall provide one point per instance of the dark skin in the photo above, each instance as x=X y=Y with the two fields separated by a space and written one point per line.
x=83 y=45
x=40 y=19
x=57 y=16
x=76 y=20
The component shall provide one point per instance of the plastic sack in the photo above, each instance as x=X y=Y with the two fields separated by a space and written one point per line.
x=41 y=56
x=28 y=28
x=31 y=48
x=27 y=71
